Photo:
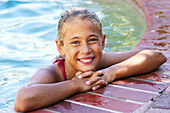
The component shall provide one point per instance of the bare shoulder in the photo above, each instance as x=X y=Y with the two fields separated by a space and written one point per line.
x=48 y=74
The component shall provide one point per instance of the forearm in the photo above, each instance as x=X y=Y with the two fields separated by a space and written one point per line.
x=143 y=62
x=40 y=95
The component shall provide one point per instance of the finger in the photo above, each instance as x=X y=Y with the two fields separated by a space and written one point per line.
x=100 y=82
x=78 y=73
x=92 y=81
x=96 y=87
x=97 y=73
x=86 y=74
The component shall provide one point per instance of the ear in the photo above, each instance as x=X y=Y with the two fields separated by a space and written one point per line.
x=60 y=47
x=103 y=41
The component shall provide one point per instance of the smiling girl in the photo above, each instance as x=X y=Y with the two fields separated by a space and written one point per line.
x=82 y=65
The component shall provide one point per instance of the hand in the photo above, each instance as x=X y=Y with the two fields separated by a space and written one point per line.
x=98 y=78
x=81 y=84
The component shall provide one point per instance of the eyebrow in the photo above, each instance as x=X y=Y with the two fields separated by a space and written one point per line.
x=88 y=36
x=93 y=35
x=74 y=38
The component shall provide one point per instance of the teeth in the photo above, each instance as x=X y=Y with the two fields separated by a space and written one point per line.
x=85 y=60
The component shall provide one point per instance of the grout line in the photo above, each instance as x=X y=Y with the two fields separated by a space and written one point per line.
x=121 y=99
x=134 y=89
x=156 y=82
x=91 y=106
x=51 y=110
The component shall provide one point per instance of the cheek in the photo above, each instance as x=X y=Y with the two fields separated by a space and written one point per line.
x=71 y=52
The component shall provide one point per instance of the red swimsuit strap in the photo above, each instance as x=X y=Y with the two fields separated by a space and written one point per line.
x=60 y=61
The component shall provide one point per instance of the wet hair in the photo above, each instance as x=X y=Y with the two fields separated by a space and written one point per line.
x=69 y=16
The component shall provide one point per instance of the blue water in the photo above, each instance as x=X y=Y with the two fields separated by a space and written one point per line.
x=28 y=31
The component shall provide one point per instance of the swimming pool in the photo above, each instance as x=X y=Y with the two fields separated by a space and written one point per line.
x=28 y=31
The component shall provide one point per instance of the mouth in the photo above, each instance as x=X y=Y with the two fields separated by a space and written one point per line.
x=86 y=60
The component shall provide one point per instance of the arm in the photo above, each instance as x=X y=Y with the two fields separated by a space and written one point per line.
x=143 y=62
x=43 y=90
x=139 y=63
x=111 y=58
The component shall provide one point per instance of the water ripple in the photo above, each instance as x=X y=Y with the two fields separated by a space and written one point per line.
x=28 y=33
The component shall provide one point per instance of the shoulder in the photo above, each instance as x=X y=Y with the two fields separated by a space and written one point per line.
x=48 y=74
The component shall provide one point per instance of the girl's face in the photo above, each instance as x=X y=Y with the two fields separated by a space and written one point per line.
x=83 y=45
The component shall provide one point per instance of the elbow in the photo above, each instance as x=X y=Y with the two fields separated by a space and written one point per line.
x=161 y=57
x=24 y=102
x=155 y=55
x=20 y=106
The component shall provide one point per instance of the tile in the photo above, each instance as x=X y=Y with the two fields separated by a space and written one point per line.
x=126 y=94
x=104 y=102
x=167 y=53
x=167 y=91
x=155 y=43
x=140 y=46
x=155 y=76
x=162 y=70
x=163 y=102
x=150 y=36
x=68 y=107
x=138 y=84
x=154 y=110
x=168 y=58
x=40 y=111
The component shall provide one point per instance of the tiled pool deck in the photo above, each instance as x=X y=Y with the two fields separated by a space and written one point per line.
x=140 y=94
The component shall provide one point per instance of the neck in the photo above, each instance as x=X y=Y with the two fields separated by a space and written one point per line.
x=70 y=71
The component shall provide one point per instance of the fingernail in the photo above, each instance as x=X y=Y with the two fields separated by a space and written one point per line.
x=93 y=88
x=88 y=83
x=79 y=76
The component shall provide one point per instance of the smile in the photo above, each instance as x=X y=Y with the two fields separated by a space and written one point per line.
x=86 y=60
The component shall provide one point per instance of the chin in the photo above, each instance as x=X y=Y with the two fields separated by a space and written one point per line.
x=87 y=69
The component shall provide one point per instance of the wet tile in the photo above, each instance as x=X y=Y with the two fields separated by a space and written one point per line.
x=104 y=102
x=40 y=111
x=155 y=43
x=140 y=46
x=167 y=54
x=168 y=59
x=160 y=77
x=68 y=107
x=137 y=84
x=126 y=94
x=167 y=91
x=166 y=66
x=163 y=102
x=154 y=110
x=163 y=70
x=151 y=36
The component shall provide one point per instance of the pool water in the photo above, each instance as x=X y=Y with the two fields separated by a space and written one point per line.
x=28 y=31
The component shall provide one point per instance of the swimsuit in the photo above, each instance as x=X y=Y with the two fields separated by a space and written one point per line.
x=60 y=61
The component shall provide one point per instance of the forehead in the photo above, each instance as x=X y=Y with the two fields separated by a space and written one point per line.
x=79 y=26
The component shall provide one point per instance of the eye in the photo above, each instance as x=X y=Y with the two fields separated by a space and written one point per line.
x=93 y=40
x=75 y=42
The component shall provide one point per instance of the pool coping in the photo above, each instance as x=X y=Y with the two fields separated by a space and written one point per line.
x=156 y=37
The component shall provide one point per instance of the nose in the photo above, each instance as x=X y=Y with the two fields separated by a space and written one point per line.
x=85 y=48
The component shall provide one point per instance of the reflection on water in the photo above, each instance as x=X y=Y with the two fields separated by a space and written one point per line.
x=28 y=31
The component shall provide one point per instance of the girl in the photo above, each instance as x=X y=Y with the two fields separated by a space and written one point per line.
x=82 y=65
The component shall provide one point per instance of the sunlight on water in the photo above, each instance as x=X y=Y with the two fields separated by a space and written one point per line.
x=28 y=33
